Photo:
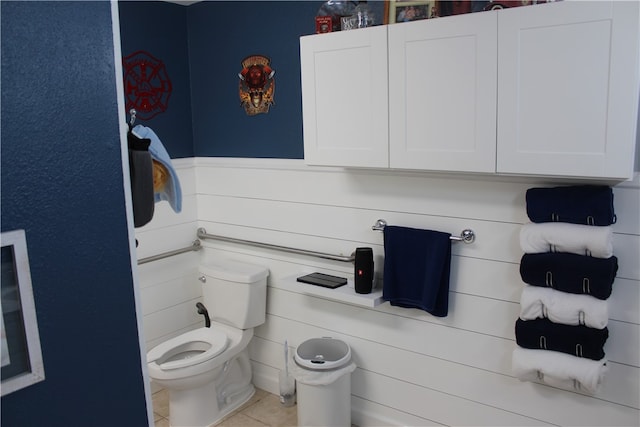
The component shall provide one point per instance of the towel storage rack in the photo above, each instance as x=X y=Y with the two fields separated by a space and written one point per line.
x=195 y=246
x=202 y=234
x=467 y=235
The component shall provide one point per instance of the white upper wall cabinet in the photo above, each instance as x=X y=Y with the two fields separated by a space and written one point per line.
x=568 y=89
x=345 y=98
x=550 y=89
x=442 y=93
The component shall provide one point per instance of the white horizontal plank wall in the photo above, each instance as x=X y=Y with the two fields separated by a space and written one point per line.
x=413 y=368
x=169 y=288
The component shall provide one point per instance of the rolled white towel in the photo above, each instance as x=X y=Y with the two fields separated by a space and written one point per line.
x=578 y=239
x=558 y=369
x=561 y=307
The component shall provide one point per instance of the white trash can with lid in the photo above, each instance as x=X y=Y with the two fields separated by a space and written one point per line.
x=323 y=375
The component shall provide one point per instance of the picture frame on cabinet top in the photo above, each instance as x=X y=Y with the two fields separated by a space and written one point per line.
x=407 y=11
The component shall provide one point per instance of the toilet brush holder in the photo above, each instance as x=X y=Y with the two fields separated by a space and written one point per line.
x=287 y=385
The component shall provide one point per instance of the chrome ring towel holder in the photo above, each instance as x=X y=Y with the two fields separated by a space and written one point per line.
x=467 y=235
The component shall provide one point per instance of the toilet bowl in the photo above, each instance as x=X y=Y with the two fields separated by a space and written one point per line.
x=189 y=349
x=200 y=364
x=207 y=371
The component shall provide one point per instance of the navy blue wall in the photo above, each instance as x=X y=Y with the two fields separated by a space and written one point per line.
x=160 y=28
x=62 y=182
x=221 y=35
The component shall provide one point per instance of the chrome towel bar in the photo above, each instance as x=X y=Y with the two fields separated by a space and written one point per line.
x=196 y=246
x=202 y=234
x=467 y=235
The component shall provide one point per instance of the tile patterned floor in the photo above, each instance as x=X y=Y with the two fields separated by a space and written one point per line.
x=262 y=410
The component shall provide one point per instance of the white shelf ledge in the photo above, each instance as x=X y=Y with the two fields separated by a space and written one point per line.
x=346 y=293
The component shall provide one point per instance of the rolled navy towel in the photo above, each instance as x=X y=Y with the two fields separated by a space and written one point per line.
x=572 y=273
x=583 y=204
x=579 y=341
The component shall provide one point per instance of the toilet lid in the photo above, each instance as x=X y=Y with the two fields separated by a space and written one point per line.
x=188 y=349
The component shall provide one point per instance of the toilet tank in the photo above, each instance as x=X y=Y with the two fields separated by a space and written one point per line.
x=235 y=293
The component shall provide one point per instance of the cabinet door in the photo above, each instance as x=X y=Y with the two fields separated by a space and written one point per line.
x=344 y=98
x=568 y=89
x=442 y=93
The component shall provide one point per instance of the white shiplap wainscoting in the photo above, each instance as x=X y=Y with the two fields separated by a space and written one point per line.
x=169 y=288
x=413 y=368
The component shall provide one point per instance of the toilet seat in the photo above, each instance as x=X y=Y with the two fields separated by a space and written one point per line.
x=188 y=349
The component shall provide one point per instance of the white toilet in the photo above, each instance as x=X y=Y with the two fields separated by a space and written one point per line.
x=207 y=371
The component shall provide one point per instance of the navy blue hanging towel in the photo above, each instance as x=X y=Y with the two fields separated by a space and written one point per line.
x=582 y=204
x=417 y=266
x=571 y=273
x=579 y=341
